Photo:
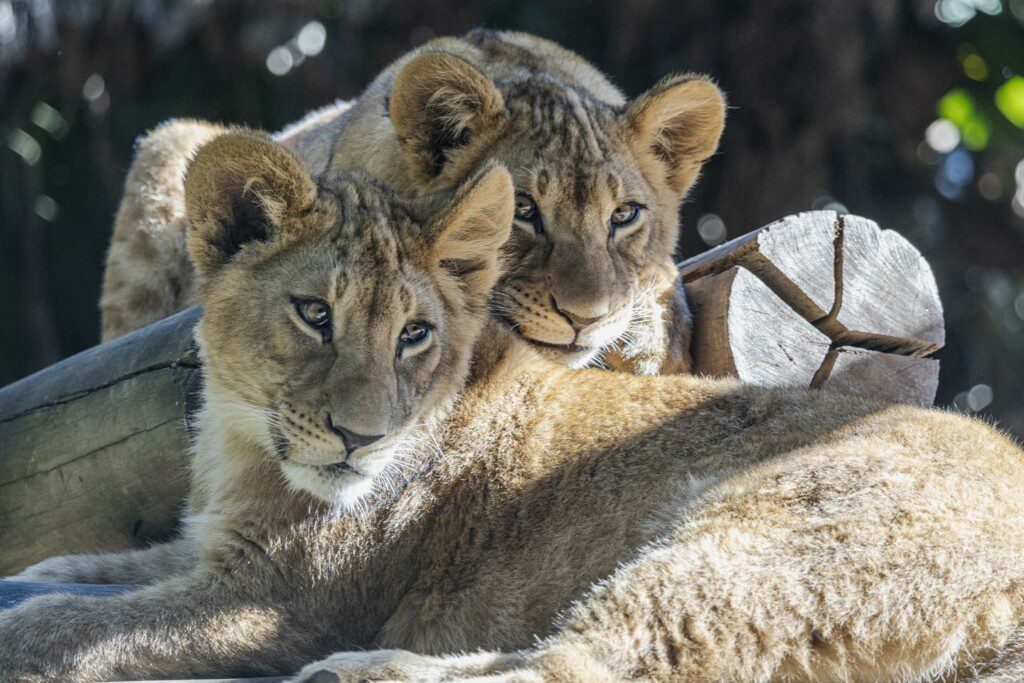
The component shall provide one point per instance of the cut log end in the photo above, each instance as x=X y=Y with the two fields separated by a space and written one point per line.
x=745 y=330
x=836 y=293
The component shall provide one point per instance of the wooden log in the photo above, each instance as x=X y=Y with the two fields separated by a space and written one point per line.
x=906 y=379
x=93 y=449
x=889 y=297
x=745 y=330
x=858 y=301
x=794 y=256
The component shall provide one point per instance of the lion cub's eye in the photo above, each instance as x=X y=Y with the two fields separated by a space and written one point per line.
x=315 y=313
x=526 y=208
x=413 y=337
x=527 y=211
x=625 y=214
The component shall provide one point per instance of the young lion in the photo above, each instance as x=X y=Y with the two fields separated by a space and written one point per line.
x=599 y=183
x=386 y=467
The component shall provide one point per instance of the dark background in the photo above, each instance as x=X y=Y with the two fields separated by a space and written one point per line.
x=832 y=103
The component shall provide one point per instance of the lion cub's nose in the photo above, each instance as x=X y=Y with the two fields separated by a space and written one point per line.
x=577 y=321
x=351 y=439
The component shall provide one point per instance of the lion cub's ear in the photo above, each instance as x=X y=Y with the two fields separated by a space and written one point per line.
x=445 y=113
x=239 y=188
x=676 y=125
x=467 y=234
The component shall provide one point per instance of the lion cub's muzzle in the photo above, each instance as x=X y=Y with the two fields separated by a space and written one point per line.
x=534 y=313
x=313 y=439
x=350 y=439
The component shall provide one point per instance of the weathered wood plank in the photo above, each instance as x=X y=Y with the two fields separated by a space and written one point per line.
x=93 y=450
x=166 y=344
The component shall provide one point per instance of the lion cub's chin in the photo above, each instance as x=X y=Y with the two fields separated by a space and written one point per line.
x=341 y=487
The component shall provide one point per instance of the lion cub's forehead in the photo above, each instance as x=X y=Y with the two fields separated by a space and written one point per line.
x=568 y=145
x=563 y=121
x=374 y=228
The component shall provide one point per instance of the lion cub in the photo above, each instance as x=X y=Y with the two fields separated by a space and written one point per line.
x=383 y=466
x=599 y=180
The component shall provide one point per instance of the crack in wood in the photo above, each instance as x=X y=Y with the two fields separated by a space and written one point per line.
x=94 y=451
x=900 y=346
x=824 y=371
x=186 y=362
x=827 y=324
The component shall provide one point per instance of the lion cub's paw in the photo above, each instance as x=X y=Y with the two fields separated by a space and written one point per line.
x=401 y=665
x=53 y=570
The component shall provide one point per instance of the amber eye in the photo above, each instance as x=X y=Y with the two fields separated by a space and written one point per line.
x=314 y=312
x=414 y=334
x=625 y=214
x=526 y=208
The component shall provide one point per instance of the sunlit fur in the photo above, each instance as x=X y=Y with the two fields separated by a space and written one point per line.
x=557 y=525
x=567 y=135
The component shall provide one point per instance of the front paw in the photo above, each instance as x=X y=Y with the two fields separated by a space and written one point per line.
x=53 y=570
x=374 y=665
x=658 y=338
x=401 y=665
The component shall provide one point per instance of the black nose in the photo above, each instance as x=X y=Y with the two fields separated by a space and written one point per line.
x=351 y=439
x=578 y=322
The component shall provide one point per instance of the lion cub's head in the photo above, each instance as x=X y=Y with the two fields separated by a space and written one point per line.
x=598 y=184
x=335 y=316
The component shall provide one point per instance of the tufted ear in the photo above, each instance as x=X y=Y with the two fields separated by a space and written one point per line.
x=445 y=113
x=676 y=125
x=468 y=232
x=240 y=188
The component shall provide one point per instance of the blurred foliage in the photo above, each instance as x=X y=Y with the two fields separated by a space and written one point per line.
x=908 y=112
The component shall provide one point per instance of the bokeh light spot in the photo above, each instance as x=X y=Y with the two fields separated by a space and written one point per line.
x=280 y=61
x=976 y=134
x=1010 y=100
x=49 y=119
x=942 y=136
x=46 y=208
x=311 y=39
x=990 y=186
x=93 y=88
x=25 y=146
x=974 y=67
x=711 y=229
x=979 y=397
x=956 y=106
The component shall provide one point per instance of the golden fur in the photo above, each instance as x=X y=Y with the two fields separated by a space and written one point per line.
x=574 y=286
x=563 y=525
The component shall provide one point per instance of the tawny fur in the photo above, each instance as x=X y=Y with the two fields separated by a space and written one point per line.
x=564 y=525
x=570 y=139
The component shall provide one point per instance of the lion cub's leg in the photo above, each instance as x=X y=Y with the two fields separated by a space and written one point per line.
x=148 y=274
x=132 y=567
x=869 y=559
x=864 y=560
x=201 y=625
